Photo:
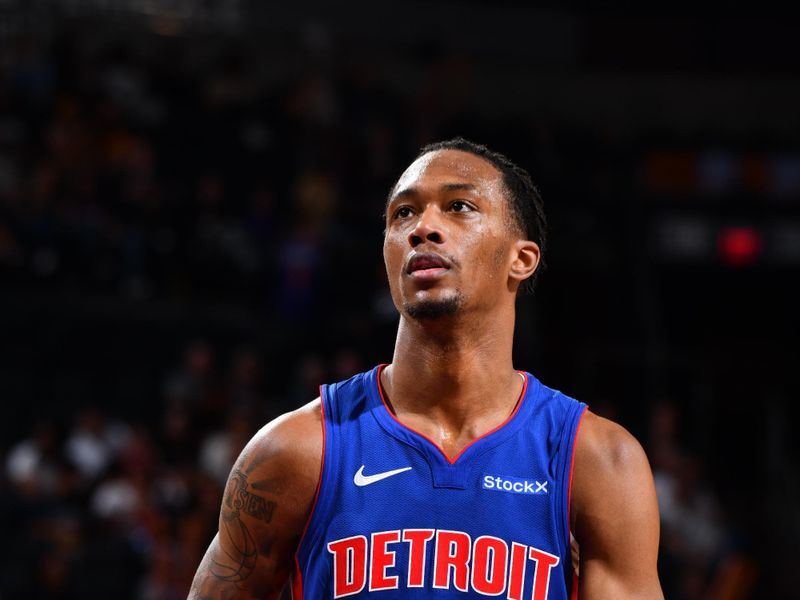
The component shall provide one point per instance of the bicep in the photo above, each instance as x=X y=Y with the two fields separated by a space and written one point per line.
x=228 y=573
x=248 y=558
x=241 y=562
x=264 y=509
x=616 y=521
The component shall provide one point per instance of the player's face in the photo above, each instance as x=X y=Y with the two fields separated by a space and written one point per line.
x=448 y=240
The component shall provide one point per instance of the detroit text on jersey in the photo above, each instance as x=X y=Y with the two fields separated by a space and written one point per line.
x=488 y=565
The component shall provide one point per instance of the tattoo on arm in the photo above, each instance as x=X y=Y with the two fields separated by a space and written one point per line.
x=238 y=498
x=238 y=552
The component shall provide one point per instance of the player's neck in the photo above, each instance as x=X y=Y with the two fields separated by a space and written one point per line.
x=461 y=372
x=452 y=343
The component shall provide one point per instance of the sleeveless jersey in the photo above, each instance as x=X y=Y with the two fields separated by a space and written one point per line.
x=396 y=518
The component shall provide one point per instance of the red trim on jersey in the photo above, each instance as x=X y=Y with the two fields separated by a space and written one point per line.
x=297 y=582
x=435 y=445
x=574 y=594
x=297 y=578
x=572 y=467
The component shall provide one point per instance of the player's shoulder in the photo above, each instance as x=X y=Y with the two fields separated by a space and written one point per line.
x=610 y=470
x=301 y=420
x=607 y=446
x=292 y=441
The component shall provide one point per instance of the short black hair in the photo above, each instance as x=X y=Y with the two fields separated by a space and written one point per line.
x=525 y=201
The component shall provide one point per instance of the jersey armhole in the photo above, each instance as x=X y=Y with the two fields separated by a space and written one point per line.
x=574 y=575
x=572 y=467
x=297 y=575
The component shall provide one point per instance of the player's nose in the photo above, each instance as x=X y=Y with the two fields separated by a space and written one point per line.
x=428 y=228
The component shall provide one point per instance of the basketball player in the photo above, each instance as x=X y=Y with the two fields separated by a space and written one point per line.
x=447 y=473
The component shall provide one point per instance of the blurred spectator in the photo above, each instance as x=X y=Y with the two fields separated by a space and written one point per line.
x=188 y=386
x=245 y=381
x=220 y=449
x=309 y=372
x=689 y=512
x=177 y=440
x=118 y=498
x=194 y=396
x=32 y=465
x=700 y=555
x=299 y=262
x=94 y=442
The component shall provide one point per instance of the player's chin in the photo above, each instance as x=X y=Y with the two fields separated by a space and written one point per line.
x=434 y=306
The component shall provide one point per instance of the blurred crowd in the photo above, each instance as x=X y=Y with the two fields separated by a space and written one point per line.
x=169 y=171
x=147 y=177
x=99 y=506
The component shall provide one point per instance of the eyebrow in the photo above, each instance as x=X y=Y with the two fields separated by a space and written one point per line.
x=445 y=187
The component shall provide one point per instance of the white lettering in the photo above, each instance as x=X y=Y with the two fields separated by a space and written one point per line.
x=515 y=485
x=492 y=566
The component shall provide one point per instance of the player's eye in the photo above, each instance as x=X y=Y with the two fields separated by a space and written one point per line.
x=402 y=212
x=460 y=206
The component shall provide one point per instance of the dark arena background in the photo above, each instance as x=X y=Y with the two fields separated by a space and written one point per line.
x=191 y=198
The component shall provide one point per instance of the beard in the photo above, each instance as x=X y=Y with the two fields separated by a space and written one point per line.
x=434 y=309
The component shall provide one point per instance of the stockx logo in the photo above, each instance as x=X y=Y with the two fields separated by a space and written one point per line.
x=514 y=485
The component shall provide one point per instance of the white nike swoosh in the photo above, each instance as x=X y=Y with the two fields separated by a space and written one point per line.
x=361 y=480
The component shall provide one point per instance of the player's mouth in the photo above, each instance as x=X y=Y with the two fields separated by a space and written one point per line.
x=427 y=266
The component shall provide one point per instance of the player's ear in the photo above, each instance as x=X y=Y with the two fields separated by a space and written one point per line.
x=524 y=260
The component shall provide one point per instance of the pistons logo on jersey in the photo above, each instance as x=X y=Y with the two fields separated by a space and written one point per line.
x=488 y=565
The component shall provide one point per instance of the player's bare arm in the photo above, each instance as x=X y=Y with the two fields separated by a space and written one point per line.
x=266 y=504
x=614 y=514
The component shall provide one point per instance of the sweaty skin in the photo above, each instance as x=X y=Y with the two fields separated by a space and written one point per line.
x=452 y=379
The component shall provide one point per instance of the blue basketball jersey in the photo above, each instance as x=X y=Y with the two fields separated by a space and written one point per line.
x=395 y=518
